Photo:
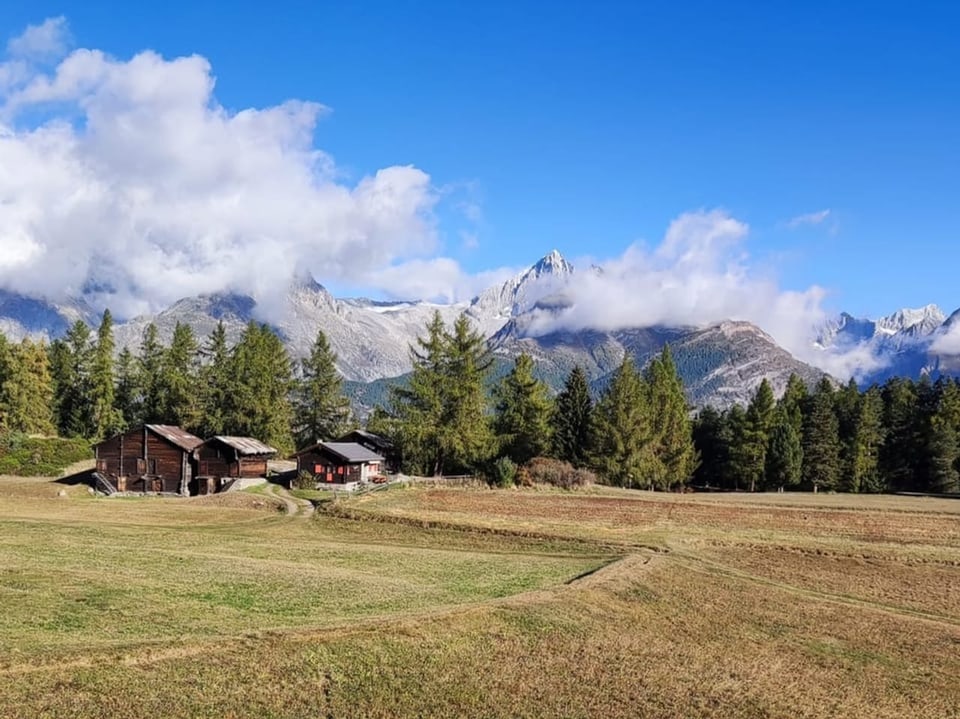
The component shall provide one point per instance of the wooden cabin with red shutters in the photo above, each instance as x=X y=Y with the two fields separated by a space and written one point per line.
x=151 y=458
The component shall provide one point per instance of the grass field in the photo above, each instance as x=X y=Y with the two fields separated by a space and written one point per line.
x=441 y=602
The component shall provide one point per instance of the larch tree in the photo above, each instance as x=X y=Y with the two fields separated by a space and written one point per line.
x=672 y=431
x=572 y=417
x=28 y=391
x=755 y=436
x=523 y=413
x=622 y=433
x=321 y=410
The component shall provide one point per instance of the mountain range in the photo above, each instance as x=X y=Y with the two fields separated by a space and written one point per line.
x=720 y=364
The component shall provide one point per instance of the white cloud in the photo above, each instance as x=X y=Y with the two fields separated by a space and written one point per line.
x=811 y=218
x=140 y=188
x=698 y=275
x=947 y=341
x=45 y=41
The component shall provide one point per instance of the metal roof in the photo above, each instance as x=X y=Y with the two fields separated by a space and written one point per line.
x=177 y=436
x=246 y=445
x=375 y=439
x=351 y=452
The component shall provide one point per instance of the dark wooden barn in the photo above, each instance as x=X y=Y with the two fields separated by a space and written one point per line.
x=151 y=458
x=221 y=459
x=340 y=462
x=376 y=443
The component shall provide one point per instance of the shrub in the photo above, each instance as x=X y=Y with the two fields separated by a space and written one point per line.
x=304 y=480
x=503 y=472
x=543 y=470
x=40 y=456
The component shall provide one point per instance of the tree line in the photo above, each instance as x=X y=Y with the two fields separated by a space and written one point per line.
x=78 y=386
x=901 y=436
x=444 y=421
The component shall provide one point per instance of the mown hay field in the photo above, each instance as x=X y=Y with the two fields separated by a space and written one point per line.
x=465 y=602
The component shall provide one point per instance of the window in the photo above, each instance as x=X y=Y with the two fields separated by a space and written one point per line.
x=101 y=465
x=141 y=466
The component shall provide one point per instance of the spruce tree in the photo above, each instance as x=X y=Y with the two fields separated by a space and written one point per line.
x=127 y=395
x=901 y=445
x=28 y=391
x=179 y=374
x=735 y=433
x=149 y=378
x=784 y=456
x=794 y=401
x=864 y=467
x=321 y=410
x=755 y=435
x=466 y=428
x=106 y=418
x=523 y=413
x=73 y=385
x=821 y=440
x=672 y=433
x=216 y=382
x=712 y=448
x=847 y=407
x=622 y=433
x=572 y=420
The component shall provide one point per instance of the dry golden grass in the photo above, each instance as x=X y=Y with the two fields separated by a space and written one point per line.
x=772 y=607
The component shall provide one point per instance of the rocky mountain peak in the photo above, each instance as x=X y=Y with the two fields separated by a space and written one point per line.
x=923 y=319
x=551 y=264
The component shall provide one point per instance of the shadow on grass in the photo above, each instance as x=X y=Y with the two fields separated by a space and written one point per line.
x=72 y=480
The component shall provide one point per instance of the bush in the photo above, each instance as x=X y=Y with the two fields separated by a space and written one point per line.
x=543 y=470
x=503 y=472
x=40 y=456
x=304 y=480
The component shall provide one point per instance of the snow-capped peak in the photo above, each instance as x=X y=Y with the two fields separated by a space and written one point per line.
x=923 y=320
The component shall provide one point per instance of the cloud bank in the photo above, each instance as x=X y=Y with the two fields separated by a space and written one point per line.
x=126 y=181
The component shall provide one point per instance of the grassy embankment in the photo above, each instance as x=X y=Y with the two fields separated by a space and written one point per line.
x=712 y=606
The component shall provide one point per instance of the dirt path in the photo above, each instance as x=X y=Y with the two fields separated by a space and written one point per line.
x=300 y=508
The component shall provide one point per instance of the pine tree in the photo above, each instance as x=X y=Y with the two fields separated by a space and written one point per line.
x=712 y=448
x=179 y=372
x=28 y=391
x=216 y=382
x=901 y=445
x=847 y=407
x=755 y=435
x=73 y=366
x=864 y=468
x=466 y=427
x=735 y=432
x=794 y=400
x=672 y=440
x=149 y=378
x=821 y=440
x=260 y=405
x=784 y=456
x=940 y=454
x=572 y=420
x=106 y=418
x=321 y=409
x=127 y=395
x=523 y=413
x=622 y=432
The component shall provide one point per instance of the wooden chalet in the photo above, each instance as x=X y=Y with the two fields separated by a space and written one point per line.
x=376 y=443
x=220 y=459
x=340 y=462
x=151 y=458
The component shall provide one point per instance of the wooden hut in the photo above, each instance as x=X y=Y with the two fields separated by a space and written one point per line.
x=376 y=443
x=339 y=462
x=220 y=459
x=150 y=458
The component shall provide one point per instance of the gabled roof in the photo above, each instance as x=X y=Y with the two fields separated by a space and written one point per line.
x=349 y=452
x=377 y=440
x=176 y=436
x=245 y=445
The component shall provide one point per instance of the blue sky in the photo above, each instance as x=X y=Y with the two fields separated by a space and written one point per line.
x=591 y=126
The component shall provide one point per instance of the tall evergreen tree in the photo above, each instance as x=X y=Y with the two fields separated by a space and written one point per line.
x=735 y=431
x=127 y=394
x=28 y=391
x=106 y=418
x=864 y=469
x=260 y=404
x=6 y=369
x=73 y=365
x=622 y=432
x=901 y=445
x=523 y=413
x=755 y=435
x=216 y=382
x=149 y=377
x=572 y=420
x=846 y=405
x=321 y=410
x=672 y=432
x=179 y=373
x=794 y=401
x=821 y=440
x=784 y=456
x=713 y=448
